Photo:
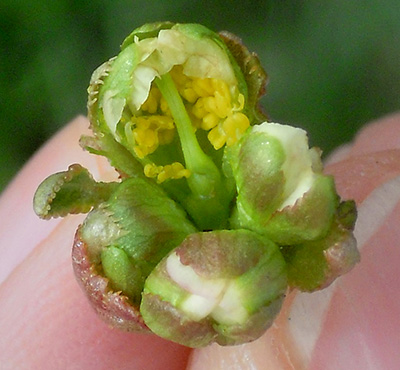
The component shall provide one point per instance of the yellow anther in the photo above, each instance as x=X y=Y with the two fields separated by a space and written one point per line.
x=139 y=152
x=173 y=171
x=196 y=122
x=210 y=120
x=146 y=142
x=146 y=137
x=210 y=104
x=177 y=75
x=198 y=109
x=234 y=127
x=229 y=131
x=164 y=107
x=221 y=87
x=150 y=105
x=189 y=94
x=239 y=105
x=222 y=105
x=217 y=137
x=162 y=122
x=163 y=173
x=149 y=132
x=203 y=87
x=151 y=170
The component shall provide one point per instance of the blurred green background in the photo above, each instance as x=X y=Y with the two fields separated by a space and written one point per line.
x=333 y=65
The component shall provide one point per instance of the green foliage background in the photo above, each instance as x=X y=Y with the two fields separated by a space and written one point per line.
x=333 y=65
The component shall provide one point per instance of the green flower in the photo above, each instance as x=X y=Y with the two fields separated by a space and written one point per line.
x=296 y=201
x=217 y=212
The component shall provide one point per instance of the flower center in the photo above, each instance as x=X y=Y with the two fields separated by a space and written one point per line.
x=210 y=105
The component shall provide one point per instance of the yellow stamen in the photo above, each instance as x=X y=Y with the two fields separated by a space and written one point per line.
x=210 y=120
x=234 y=127
x=222 y=105
x=229 y=131
x=151 y=170
x=203 y=87
x=151 y=103
x=151 y=131
x=212 y=105
x=217 y=137
x=189 y=94
x=163 y=173
x=198 y=109
x=164 y=107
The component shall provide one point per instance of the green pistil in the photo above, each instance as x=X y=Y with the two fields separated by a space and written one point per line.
x=205 y=177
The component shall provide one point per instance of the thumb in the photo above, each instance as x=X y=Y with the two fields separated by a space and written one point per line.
x=45 y=320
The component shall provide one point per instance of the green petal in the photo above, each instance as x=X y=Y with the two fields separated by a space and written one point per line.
x=316 y=264
x=281 y=192
x=223 y=286
x=308 y=219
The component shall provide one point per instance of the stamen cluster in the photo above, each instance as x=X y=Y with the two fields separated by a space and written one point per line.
x=211 y=105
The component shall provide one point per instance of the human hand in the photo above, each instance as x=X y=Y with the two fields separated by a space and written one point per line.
x=46 y=321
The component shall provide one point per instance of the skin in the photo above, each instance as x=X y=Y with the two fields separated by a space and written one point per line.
x=46 y=321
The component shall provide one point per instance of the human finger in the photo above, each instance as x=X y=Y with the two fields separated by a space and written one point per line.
x=45 y=320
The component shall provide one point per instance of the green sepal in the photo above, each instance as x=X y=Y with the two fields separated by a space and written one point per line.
x=116 y=89
x=119 y=157
x=152 y=223
x=315 y=265
x=70 y=192
x=122 y=273
x=308 y=219
x=97 y=124
x=141 y=221
x=253 y=72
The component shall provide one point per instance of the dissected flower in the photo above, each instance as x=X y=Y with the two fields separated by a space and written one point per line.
x=218 y=212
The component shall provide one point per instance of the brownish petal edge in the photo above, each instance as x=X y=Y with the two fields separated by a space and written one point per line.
x=113 y=307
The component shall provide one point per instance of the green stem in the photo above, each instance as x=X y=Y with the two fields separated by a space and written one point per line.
x=205 y=177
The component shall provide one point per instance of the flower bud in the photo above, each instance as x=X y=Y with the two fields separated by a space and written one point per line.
x=220 y=286
x=131 y=232
x=281 y=191
x=313 y=265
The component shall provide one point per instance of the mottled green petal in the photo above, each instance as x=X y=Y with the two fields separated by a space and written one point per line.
x=222 y=286
x=316 y=264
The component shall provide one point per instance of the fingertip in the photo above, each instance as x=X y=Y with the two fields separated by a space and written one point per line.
x=47 y=322
x=382 y=134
